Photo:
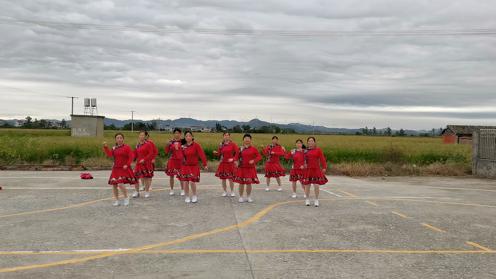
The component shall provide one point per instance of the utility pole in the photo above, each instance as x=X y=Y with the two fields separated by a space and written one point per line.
x=72 y=103
x=132 y=121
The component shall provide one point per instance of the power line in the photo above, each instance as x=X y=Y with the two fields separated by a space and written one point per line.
x=255 y=32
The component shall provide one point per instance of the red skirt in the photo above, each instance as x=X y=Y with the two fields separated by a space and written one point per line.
x=274 y=170
x=314 y=176
x=246 y=176
x=189 y=173
x=226 y=170
x=144 y=170
x=173 y=167
x=122 y=176
x=296 y=175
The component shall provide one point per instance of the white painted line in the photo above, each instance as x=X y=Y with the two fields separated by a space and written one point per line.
x=332 y=193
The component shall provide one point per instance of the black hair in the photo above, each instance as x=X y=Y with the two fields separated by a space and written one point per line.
x=119 y=134
x=275 y=137
x=226 y=133
x=311 y=138
x=177 y=130
x=183 y=141
x=147 y=135
x=246 y=135
x=302 y=144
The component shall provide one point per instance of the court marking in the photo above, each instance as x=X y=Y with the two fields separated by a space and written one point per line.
x=477 y=245
x=372 y=203
x=400 y=214
x=436 y=229
x=347 y=194
x=332 y=193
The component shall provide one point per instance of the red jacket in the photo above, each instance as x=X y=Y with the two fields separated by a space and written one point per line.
x=314 y=158
x=273 y=153
x=144 y=152
x=246 y=154
x=170 y=148
x=123 y=155
x=191 y=154
x=227 y=152
x=154 y=148
x=298 y=158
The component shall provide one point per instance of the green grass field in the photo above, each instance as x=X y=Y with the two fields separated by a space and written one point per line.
x=57 y=147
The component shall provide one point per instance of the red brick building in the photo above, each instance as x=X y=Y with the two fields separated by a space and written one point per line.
x=461 y=134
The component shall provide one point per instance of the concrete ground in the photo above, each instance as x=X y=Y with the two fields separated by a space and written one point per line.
x=55 y=225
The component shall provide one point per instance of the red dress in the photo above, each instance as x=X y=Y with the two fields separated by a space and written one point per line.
x=227 y=152
x=190 y=169
x=273 y=166
x=144 y=152
x=155 y=151
x=123 y=156
x=297 y=171
x=315 y=162
x=175 y=157
x=246 y=173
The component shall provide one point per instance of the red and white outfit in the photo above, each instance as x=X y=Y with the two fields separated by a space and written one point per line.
x=315 y=162
x=273 y=166
x=227 y=153
x=297 y=172
x=144 y=154
x=246 y=173
x=175 y=157
x=155 y=151
x=123 y=156
x=190 y=169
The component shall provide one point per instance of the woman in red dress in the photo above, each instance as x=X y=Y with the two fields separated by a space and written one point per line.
x=297 y=171
x=316 y=166
x=246 y=173
x=190 y=169
x=173 y=148
x=144 y=155
x=273 y=167
x=226 y=171
x=121 y=170
x=155 y=155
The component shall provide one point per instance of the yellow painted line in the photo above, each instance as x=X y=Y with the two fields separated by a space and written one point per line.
x=348 y=194
x=136 y=250
x=477 y=245
x=61 y=208
x=263 y=251
x=372 y=203
x=432 y=227
x=400 y=214
x=53 y=209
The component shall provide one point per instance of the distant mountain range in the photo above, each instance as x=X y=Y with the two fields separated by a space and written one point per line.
x=254 y=123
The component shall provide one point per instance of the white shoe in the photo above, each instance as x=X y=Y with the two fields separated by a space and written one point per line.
x=116 y=203
x=316 y=203
x=147 y=195
x=233 y=194
x=293 y=195
x=267 y=189
x=279 y=189
x=307 y=202
x=224 y=194
x=250 y=199
x=171 y=193
x=125 y=202
x=194 y=199
x=241 y=199
x=187 y=200
x=182 y=192
x=135 y=194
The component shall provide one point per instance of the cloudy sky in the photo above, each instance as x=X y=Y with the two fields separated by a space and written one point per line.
x=404 y=64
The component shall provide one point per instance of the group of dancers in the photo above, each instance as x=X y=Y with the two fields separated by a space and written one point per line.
x=237 y=165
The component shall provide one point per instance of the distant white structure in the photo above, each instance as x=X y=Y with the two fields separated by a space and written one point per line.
x=90 y=124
